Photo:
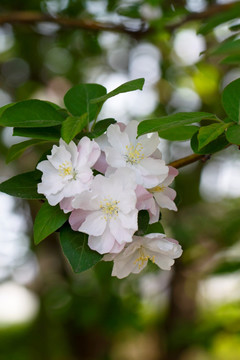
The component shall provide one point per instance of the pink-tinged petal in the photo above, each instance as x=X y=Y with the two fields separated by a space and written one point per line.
x=102 y=244
x=101 y=164
x=77 y=218
x=117 y=139
x=157 y=154
x=114 y=157
x=164 y=201
x=127 y=201
x=171 y=193
x=129 y=221
x=94 y=224
x=163 y=261
x=149 y=144
x=72 y=149
x=117 y=248
x=66 y=205
x=54 y=199
x=171 y=175
x=89 y=152
x=86 y=201
x=142 y=196
x=131 y=131
x=121 y=234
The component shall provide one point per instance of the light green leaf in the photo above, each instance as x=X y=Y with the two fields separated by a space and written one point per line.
x=231 y=100
x=179 y=133
x=18 y=149
x=209 y=133
x=72 y=126
x=77 y=99
x=23 y=185
x=228 y=47
x=173 y=121
x=132 y=85
x=233 y=134
x=75 y=248
x=51 y=133
x=48 y=220
x=31 y=113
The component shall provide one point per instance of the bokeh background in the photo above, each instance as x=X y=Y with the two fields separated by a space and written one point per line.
x=189 y=313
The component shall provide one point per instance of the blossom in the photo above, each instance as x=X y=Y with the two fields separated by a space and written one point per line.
x=108 y=212
x=124 y=149
x=145 y=201
x=133 y=258
x=164 y=195
x=67 y=171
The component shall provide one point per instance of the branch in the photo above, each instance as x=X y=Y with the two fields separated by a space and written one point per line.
x=30 y=17
x=188 y=160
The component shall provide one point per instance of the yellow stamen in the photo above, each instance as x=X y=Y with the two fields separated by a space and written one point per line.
x=133 y=153
x=65 y=169
x=143 y=258
x=109 y=208
x=158 y=188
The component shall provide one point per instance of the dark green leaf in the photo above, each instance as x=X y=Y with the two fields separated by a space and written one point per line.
x=77 y=99
x=18 y=149
x=227 y=267
x=179 y=133
x=216 y=145
x=75 y=248
x=23 y=185
x=232 y=59
x=132 y=85
x=72 y=126
x=5 y=107
x=207 y=134
x=48 y=219
x=227 y=47
x=131 y=11
x=31 y=113
x=101 y=126
x=143 y=221
x=233 y=134
x=51 y=133
x=155 y=228
x=172 y=121
x=231 y=100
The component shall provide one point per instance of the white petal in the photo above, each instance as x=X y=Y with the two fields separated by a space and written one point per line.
x=94 y=224
x=131 y=131
x=121 y=234
x=164 y=201
x=129 y=221
x=117 y=139
x=59 y=156
x=149 y=144
x=102 y=244
x=114 y=157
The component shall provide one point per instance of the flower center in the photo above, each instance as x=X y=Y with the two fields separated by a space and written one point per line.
x=158 y=188
x=65 y=169
x=133 y=153
x=143 y=257
x=109 y=208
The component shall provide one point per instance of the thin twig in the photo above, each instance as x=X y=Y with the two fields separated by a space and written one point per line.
x=188 y=160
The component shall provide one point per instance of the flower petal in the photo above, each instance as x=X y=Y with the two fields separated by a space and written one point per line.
x=94 y=224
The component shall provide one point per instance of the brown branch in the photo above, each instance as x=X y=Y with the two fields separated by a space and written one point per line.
x=188 y=160
x=31 y=17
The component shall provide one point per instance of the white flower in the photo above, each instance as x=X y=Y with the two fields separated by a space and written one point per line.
x=124 y=149
x=164 y=195
x=109 y=211
x=67 y=171
x=134 y=257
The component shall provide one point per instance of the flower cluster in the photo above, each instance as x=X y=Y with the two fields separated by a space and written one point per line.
x=131 y=177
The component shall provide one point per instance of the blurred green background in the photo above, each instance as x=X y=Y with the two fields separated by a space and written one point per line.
x=189 y=313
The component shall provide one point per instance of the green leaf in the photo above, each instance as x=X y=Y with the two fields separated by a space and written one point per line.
x=231 y=100
x=48 y=219
x=31 y=113
x=132 y=85
x=179 y=133
x=18 y=149
x=51 y=133
x=72 y=126
x=214 y=146
x=5 y=107
x=232 y=59
x=23 y=185
x=143 y=221
x=228 y=47
x=219 y=19
x=75 y=248
x=233 y=134
x=155 y=228
x=207 y=134
x=172 y=121
x=77 y=99
x=101 y=126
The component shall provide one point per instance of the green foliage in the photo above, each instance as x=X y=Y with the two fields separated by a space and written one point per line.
x=101 y=126
x=18 y=149
x=31 y=113
x=143 y=221
x=51 y=133
x=23 y=186
x=179 y=133
x=75 y=248
x=231 y=100
x=155 y=228
x=214 y=146
x=207 y=134
x=72 y=126
x=233 y=134
x=48 y=220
